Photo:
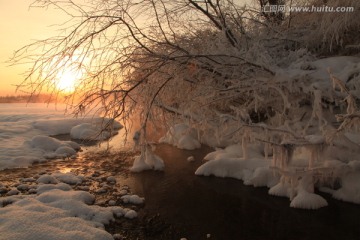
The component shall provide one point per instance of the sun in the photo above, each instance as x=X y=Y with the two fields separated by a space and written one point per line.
x=68 y=79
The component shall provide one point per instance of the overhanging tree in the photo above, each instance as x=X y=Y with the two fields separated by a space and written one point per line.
x=208 y=61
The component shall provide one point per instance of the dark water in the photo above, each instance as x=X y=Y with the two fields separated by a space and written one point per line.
x=185 y=205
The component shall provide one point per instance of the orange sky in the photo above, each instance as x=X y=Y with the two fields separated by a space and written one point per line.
x=18 y=27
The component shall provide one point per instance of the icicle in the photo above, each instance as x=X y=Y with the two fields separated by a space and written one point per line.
x=244 y=147
x=293 y=184
x=351 y=108
x=266 y=150
x=266 y=146
x=312 y=159
x=282 y=157
x=244 y=143
x=275 y=156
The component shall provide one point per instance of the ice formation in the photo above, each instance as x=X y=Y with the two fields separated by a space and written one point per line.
x=147 y=160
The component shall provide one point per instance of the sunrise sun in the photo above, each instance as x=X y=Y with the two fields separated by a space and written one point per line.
x=68 y=79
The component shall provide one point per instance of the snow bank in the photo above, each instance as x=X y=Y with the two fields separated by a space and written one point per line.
x=182 y=136
x=229 y=162
x=257 y=171
x=296 y=182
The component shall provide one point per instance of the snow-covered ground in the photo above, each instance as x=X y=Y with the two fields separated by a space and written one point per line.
x=25 y=131
x=47 y=207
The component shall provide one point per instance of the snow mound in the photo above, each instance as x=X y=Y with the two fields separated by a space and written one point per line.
x=68 y=178
x=235 y=168
x=55 y=195
x=94 y=131
x=306 y=200
x=47 y=179
x=281 y=190
x=45 y=143
x=182 y=136
x=32 y=220
x=133 y=199
x=55 y=214
x=53 y=148
x=229 y=162
x=191 y=159
x=234 y=151
x=264 y=177
x=65 y=151
x=130 y=214
x=47 y=187
x=146 y=161
x=64 y=125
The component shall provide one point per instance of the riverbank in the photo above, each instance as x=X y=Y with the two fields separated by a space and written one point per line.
x=179 y=204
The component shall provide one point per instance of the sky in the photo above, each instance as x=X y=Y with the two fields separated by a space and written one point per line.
x=19 y=26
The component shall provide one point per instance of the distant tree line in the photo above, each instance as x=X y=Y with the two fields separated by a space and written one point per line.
x=26 y=98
